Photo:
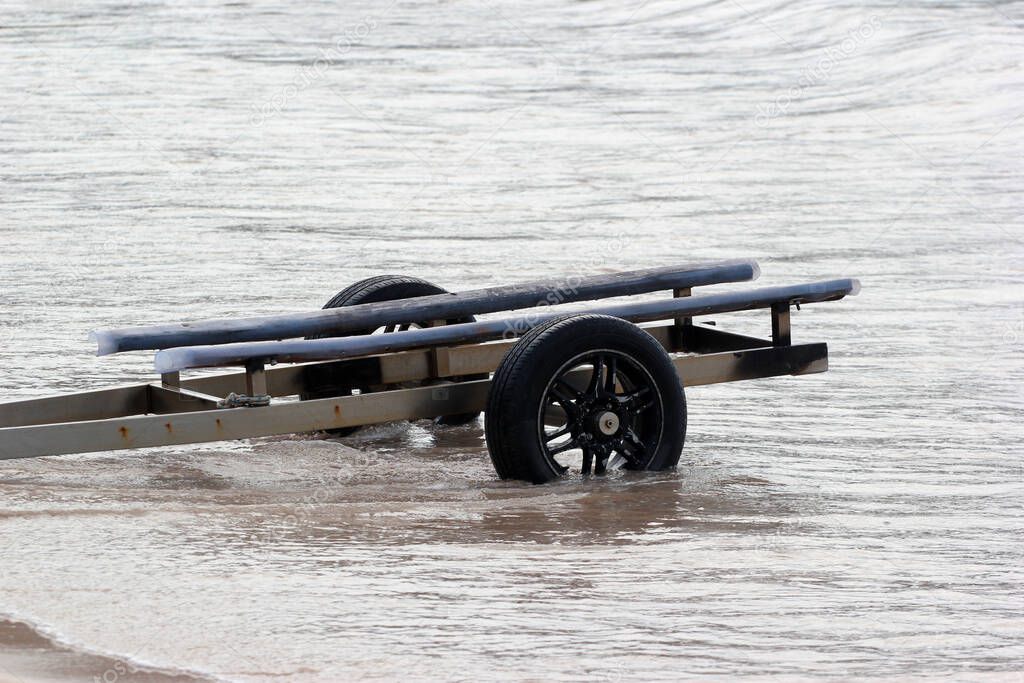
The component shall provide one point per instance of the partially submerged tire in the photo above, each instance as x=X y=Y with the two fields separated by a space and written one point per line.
x=374 y=290
x=582 y=392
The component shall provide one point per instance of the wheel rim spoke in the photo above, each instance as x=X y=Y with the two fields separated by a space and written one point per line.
x=567 y=446
x=569 y=389
x=594 y=388
x=632 y=448
x=554 y=435
x=563 y=393
x=610 y=372
x=617 y=384
x=567 y=401
x=638 y=400
x=637 y=394
x=588 y=457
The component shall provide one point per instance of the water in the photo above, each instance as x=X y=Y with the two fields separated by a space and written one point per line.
x=162 y=162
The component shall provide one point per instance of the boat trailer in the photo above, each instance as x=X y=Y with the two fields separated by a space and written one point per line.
x=585 y=391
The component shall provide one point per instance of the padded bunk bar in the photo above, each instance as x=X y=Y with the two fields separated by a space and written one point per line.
x=254 y=353
x=435 y=307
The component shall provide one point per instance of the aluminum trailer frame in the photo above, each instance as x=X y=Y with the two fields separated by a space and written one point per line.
x=176 y=411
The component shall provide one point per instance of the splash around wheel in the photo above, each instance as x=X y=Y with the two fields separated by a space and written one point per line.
x=584 y=393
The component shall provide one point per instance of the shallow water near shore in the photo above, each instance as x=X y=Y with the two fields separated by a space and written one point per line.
x=163 y=163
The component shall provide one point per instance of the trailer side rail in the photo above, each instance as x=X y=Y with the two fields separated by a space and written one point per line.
x=363 y=409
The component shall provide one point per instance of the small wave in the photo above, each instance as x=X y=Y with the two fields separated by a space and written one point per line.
x=58 y=653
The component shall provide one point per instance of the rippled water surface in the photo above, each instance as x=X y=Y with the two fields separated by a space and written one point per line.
x=168 y=161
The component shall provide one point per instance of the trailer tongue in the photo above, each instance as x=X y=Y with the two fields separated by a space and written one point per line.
x=583 y=391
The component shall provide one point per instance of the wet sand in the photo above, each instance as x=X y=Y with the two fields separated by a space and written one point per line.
x=28 y=656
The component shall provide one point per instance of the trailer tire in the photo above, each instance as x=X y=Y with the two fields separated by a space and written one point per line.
x=374 y=290
x=559 y=371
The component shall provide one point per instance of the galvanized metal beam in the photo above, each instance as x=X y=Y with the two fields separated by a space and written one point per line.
x=403 y=404
x=781 y=328
x=82 y=405
x=704 y=339
x=164 y=400
x=203 y=392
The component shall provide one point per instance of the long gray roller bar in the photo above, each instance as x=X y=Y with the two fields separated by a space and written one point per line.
x=173 y=360
x=436 y=307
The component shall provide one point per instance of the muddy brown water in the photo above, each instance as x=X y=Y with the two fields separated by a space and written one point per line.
x=163 y=162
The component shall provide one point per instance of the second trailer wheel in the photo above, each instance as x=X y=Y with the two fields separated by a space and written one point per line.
x=374 y=290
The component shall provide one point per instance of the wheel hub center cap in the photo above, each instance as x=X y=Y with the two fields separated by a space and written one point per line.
x=608 y=423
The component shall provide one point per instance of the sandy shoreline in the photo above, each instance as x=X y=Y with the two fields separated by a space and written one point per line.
x=26 y=655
